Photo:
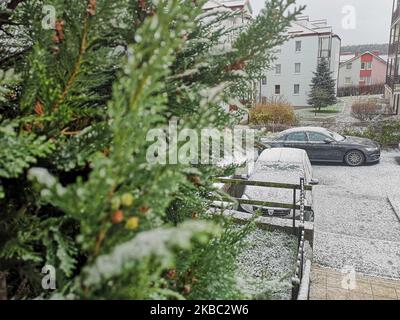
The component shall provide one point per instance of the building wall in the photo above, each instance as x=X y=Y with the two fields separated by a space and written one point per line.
x=378 y=72
x=353 y=73
x=335 y=58
x=287 y=57
x=236 y=23
x=392 y=91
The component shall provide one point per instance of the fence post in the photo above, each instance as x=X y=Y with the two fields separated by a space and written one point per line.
x=294 y=210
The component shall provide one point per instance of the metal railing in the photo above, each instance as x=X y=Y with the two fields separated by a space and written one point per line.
x=392 y=81
x=298 y=276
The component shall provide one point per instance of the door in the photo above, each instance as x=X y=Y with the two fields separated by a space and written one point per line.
x=320 y=150
x=297 y=140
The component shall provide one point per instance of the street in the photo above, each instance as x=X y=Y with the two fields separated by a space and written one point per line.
x=355 y=224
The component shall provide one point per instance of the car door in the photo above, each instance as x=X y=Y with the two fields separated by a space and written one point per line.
x=320 y=150
x=297 y=140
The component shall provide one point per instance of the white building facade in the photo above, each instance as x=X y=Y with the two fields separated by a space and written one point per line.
x=290 y=77
x=241 y=11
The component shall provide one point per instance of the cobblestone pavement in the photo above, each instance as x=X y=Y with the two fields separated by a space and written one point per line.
x=329 y=284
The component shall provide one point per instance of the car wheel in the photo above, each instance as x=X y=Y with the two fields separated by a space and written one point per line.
x=354 y=158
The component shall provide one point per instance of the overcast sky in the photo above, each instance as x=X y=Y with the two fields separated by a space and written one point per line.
x=371 y=23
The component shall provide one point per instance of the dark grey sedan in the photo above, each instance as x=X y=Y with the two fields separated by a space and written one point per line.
x=327 y=146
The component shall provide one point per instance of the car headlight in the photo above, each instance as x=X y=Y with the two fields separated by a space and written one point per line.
x=372 y=149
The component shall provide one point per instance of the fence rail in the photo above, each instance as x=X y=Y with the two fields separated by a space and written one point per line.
x=263 y=184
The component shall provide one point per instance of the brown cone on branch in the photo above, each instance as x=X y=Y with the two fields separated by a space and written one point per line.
x=39 y=109
x=91 y=8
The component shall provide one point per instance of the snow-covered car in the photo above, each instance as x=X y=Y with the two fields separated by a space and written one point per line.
x=279 y=165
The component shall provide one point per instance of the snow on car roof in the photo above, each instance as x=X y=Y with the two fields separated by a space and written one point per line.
x=299 y=129
x=283 y=155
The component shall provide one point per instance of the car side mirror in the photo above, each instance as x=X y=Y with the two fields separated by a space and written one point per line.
x=328 y=141
x=314 y=182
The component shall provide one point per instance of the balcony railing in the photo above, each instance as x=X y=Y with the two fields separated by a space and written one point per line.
x=392 y=81
x=396 y=14
x=393 y=49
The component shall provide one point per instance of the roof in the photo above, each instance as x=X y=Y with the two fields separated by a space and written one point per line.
x=282 y=155
x=211 y=4
x=362 y=54
x=304 y=26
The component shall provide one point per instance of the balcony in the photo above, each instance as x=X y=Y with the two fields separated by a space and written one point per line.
x=396 y=14
x=392 y=81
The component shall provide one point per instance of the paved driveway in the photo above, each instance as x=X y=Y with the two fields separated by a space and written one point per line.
x=355 y=225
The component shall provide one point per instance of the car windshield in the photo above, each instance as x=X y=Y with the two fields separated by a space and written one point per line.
x=335 y=136
x=276 y=137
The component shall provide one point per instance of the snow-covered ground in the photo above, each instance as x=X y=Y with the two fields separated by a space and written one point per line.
x=355 y=225
x=267 y=264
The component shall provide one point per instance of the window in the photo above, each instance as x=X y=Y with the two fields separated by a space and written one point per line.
x=366 y=65
x=349 y=66
x=277 y=89
x=366 y=80
x=264 y=81
x=296 y=89
x=316 y=137
x=348 y=80
x=298 y=46
x=278 y=69
x=324 y=47
x=297 y=67
x=297 y=137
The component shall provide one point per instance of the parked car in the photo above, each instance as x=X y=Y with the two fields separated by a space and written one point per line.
x=279 y=165
x=327 y=146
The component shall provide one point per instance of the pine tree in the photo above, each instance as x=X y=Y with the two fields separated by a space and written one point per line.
x=76 y=189
x=323 y=87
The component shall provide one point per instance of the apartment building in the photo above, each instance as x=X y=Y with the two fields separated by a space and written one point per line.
x=243 y=15
x=392 y=87
x=297 y=59
x=362 y=69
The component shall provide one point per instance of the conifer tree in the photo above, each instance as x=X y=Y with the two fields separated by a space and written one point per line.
x=323 y=87
x=77 y=101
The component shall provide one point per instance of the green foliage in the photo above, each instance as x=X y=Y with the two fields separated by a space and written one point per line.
x=386 y=132
x=77 y=121
x=19 y=151
x=8 y=79
x=323 y=87
x=218 y=257
x=157 y=249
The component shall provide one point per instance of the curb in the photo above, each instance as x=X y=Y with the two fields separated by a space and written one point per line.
x=395 y=208
x=305 y=284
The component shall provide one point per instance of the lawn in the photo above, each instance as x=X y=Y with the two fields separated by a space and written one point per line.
x=328 y=112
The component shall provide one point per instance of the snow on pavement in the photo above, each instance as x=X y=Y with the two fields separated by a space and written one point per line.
x=355 y=224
